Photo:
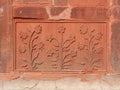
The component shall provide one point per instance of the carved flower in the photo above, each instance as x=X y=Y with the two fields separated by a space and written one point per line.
x=38 y=29
x=73 y=53
x=50 y=38
x=98 y=36
x=41 y=46
x=83 y=30
x=23 y=36
x=61 y=29
x=50 y=53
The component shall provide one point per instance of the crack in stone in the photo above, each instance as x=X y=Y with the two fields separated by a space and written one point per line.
x=30 y=88
x=56 y=86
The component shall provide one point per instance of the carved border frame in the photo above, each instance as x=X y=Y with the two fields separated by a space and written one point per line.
x=56 y=75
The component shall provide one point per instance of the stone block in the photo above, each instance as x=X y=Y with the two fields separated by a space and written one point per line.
x=115 y=57
x=89 y=13
x=57 y=10
x=88 y=3
x=60 y=2
x=116 y=12
x=30 y=12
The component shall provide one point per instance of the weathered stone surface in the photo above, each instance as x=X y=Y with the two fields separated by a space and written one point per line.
x=115 y=2
x=106 y=83
x=88 y=2
x=30 y=12
x=116 y=46
x=89 y=13
x=57 y=10
x=60 y=2
x=5 y=30
x=33 y=1
x=116 y=12
x=115 y=28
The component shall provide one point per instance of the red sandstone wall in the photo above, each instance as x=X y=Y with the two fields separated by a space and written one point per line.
x=6 y=35
x=77 y=10
x=115 y=19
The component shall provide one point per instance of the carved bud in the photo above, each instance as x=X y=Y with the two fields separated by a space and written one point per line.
x=61 y=29
x=98 y=36
x=22 y=49
x=38 y=29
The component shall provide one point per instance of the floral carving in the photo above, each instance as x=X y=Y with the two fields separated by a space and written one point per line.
x=80 y=48
x=23 y=36
x=61 y=51
x=91 y=48
x=31 y=47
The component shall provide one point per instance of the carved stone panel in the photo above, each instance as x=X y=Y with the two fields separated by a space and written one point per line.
x=60 y=47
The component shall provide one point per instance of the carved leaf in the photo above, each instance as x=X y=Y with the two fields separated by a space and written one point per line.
x=69 y=42
x=99 y=50
x=22 y=49
x=83 y=30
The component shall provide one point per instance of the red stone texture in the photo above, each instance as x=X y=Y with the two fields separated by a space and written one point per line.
x=57 y=10
x=32 y=1
x=60 y=2
x=30 y=12
x=116 y=12
x=89 y=13
x=115 y=53
x=88 y=2
x=57 y=47
x=116 y=46
x=5 y=36
x=33 y=42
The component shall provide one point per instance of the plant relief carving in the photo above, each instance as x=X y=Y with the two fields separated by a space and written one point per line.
x=31 y=48
x=61 y=53
x=91 y=49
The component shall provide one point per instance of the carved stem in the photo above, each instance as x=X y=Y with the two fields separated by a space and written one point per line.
x=90 y=47
x=31 y=48
x=61 y=51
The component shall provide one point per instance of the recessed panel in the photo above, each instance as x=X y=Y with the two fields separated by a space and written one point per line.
x=60 y=47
